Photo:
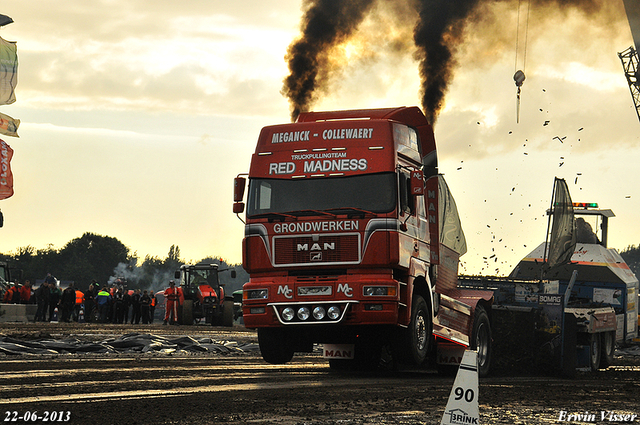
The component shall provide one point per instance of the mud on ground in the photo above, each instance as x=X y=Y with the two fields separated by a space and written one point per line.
x=239 y=387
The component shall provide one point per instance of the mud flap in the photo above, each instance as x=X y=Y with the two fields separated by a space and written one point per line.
x=338 y=351
x=568 y=354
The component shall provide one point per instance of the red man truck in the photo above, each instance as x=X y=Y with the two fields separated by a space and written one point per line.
x=352 y=240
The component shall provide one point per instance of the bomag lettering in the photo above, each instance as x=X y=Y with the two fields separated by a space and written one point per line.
x=290 y=136
x=282 y=167
x=347 y=133
x=335 y=165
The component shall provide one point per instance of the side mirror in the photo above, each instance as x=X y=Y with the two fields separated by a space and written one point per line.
x=238 y=207
x=233 y=274
x=176 y=275
x=417 y=183
x=238 y=188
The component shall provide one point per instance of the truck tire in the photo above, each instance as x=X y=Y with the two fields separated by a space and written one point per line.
x=608 y=347
x=227 y=312
x=186 y=312
x=367 y=355
x=414 y=341
x=594 y=351
x=275 y=346
x=481 y=340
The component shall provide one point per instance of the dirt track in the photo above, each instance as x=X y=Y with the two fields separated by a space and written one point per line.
x=156 y=388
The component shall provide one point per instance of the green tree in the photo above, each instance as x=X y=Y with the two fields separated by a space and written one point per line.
x=90 y=257
x=631 y=256
x=173 y=261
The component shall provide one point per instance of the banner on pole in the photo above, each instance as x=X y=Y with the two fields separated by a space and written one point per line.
x=8 y=71
x=6 y=178
x=9 y=126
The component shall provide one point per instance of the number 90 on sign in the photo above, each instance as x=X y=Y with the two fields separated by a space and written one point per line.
x=467 y=395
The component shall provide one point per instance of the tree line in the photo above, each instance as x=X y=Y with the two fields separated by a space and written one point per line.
x=105 y=259
x=631 y=256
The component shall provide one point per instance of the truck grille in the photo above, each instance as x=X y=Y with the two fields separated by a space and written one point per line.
x=334 y=249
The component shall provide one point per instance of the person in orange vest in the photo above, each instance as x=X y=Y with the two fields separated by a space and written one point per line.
x=173 y=297
x=79 y=304
x=12 y=296
x=26 y=293
x=152 y=306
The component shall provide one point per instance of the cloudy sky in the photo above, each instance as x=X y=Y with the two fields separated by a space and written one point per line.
x=136 y=115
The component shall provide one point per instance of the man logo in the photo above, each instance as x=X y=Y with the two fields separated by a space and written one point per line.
x=315 y=256
x=316 y=246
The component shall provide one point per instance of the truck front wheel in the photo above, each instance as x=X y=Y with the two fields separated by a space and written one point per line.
x=414 y=341
x=275 y=345
x=481 y=340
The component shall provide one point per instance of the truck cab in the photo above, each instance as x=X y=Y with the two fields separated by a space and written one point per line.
x=347 y=240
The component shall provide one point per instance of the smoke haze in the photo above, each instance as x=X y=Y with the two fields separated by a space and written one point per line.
x=441 y=28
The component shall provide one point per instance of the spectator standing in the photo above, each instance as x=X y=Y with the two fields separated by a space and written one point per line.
x=118 y=300
x=103 y=301
x=127 y=305
x=79 y=305
x=152 y=307
x=26 y=293
x=68 y=303
x=172 y=301
x=112 y=305
x=90 y=302
x=55 y=295
x=135 y=302
x=12 y=296
x=145 y=304
x=50 y=280
x=42 y=299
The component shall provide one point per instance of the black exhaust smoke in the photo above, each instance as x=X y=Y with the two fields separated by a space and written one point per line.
x=325 y=24
x=437 y=18
x=438 y=32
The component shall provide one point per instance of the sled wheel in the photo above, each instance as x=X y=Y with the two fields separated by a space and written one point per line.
x=481 y=340
x=608 y=341
x=594 y=351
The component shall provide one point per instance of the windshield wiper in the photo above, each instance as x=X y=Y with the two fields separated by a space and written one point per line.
x=274 y=215
x=311 y=212
x=354 y=211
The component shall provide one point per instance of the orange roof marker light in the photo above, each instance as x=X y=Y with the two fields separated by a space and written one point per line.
x=585 y=205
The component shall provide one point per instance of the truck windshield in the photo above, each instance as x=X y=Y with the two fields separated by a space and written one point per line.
x=371 y=192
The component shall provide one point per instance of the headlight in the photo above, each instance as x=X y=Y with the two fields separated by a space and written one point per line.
x=379 y=291
x=318 y=313
x=303 y=313
x=334 y=312
x=288 y=314
x=256 y=294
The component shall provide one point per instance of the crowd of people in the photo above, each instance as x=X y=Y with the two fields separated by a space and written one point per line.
x=108 y=304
